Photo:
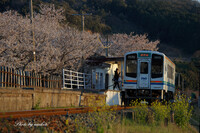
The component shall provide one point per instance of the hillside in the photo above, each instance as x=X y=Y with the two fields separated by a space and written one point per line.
x=174 y=22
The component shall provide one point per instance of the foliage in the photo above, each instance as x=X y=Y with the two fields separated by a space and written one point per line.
x=182 y=111
x=170 y=20
x=141 y=111
x=101 y=120
x=160 y=111
x=107 y=121
x=189 y=73
x=37 y=105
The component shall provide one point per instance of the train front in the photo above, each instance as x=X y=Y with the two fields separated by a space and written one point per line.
x=144 y=76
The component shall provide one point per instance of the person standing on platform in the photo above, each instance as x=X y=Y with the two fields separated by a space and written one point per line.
x=116 y=79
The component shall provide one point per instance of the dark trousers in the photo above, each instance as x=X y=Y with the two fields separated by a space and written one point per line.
x=116 y=83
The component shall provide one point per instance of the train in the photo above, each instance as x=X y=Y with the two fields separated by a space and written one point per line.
x=148 y=75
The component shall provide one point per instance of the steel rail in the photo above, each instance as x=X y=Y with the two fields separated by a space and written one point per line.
x=63 y=111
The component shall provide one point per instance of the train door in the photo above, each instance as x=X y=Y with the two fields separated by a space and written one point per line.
x=144 y=74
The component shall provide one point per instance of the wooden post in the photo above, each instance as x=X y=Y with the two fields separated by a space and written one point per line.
x=24 y=75
x=17 y=79
x=48 y=81
x=29 y=79
x=133 y=115
x=57 y=83
x=6 y=77
x=10 y=77
x=35 y=80
x=1 y=77
x=40 y=80
x=166 y=122
x=150 y=117
x=14 y=75
x=172 y=116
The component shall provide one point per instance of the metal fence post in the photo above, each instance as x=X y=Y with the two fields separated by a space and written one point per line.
x=63 y=78
x=84 y=80
x=77 y=80
x=71 y=78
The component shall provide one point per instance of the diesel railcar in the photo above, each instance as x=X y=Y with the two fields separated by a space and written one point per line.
x=148 y=75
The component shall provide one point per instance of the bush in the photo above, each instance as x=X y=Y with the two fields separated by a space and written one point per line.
x=101 y=120
x=141 y=111
x=182 y=110
x=160 y=111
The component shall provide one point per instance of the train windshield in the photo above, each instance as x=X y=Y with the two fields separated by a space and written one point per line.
x=131 y=65
x=144 y=68
x=157 y=66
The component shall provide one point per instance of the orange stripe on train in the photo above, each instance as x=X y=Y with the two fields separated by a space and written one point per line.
x=156 y=81
x=169 y=60
x=131 y=80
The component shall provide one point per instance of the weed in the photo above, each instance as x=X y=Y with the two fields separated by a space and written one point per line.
x=160 y=111
x=37 y=105
x=182 y=111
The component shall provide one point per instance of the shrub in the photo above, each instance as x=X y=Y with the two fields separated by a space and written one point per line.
x=141 y=111
x=182 y=110
x=160 y=111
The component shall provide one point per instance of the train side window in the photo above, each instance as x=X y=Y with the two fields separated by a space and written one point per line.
x=131 y=65
x=170 y=72
x=157 y=66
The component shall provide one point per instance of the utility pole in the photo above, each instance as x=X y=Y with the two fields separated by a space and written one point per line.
x=106 y=45
x=82 y=19
x=183 y=86
x=33 y=34
x=83 y=29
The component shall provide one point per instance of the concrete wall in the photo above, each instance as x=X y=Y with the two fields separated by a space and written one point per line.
x=113 y=97
x=15 y=99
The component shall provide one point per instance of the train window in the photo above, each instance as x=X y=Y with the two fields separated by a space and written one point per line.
x=131 y=65
x=144 y=68
x=170 y=72
x=157 y=66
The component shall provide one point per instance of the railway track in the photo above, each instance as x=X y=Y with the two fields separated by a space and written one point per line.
x=52 y=112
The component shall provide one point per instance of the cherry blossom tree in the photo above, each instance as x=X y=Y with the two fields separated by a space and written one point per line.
x=123 y=43
x=58 y=46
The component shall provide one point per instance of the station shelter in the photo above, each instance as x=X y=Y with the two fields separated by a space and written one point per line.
x=103 y=70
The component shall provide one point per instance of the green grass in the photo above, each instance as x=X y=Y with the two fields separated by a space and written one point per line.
x=129 y=126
